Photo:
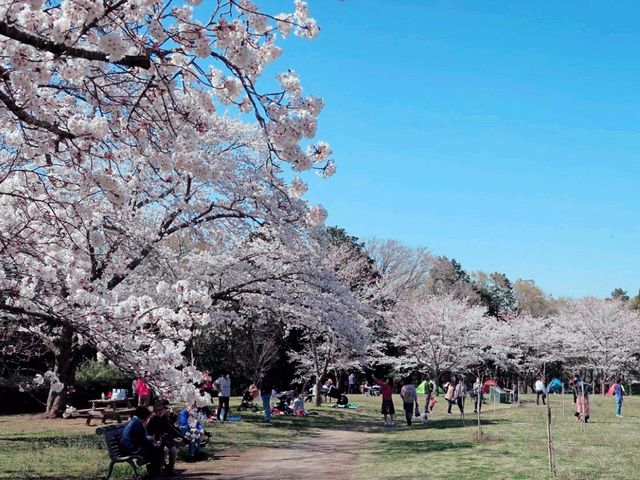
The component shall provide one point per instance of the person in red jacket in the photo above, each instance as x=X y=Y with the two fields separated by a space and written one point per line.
x=387 y=409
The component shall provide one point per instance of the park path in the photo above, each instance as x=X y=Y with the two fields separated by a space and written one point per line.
x=320 y=455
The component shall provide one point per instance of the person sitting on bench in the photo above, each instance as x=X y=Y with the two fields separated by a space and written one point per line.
x=160 y=427
x=135 y=441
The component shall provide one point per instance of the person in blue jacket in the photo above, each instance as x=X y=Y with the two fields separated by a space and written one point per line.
x=618 y=392
x=136 y=441
x=192 y=429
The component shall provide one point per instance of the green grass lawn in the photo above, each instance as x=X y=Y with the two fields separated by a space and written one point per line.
x=514 y=446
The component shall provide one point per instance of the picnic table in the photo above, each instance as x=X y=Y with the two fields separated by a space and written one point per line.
x=108 y=408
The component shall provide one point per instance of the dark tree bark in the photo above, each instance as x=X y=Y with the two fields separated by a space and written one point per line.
x=64 y=368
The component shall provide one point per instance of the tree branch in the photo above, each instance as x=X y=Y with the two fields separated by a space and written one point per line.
x=141 y=61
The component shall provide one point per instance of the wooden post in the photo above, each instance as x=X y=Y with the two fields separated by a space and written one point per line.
x=552 y=464
x=479 y=406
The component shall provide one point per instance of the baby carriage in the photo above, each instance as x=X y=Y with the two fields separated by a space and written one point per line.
x=285 y=402
x=247 y=400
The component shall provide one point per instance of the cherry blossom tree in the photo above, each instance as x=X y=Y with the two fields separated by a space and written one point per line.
x=600 y=335
x=437 y=333
x=338 y=336
x=118 y=156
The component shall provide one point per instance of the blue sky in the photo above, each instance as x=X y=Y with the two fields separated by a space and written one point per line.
x=503 y=134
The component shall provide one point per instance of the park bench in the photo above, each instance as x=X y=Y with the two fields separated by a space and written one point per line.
x=112 y=437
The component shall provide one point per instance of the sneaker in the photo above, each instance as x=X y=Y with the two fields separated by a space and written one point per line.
x=619 y=416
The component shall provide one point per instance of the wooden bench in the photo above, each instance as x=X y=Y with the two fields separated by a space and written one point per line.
x=112 y=437
x=105 y=413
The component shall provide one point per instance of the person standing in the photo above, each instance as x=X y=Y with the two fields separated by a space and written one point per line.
x=582 y=391
x=144 y=392
x=459 y=394
x=618 y=392
x=223 y=385
x=409 y=399
x=477 y=395
x=540 y=392
x=450 y=394
x=265 y=384
x=387 y=409
x=352 y=383
x=207 y=383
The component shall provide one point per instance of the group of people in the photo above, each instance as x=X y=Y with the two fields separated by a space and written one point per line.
x=455 y=392
x=156 y=436
x=220 y=388
x=581 y=395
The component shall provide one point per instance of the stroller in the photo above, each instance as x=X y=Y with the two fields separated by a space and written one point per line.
x=285 y=401
x=247 y=402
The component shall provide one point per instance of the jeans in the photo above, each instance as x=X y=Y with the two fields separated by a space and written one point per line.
x=408 y=412
x=619 y=406
x=194 y=444
x=223 y=402
x=478 y=403
x=544 y=396
x=451 y=402
x=266 y=404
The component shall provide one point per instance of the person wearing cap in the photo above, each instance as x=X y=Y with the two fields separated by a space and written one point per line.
x=161 y=429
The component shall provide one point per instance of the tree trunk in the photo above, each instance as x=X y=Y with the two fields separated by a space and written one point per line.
x=64 y=368
x=318 y=400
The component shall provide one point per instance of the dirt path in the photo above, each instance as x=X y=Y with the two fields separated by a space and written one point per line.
x=328 y=454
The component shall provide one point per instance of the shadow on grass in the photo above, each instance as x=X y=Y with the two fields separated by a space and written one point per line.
x=447 y=423
x=393 y=447
x=43 y=440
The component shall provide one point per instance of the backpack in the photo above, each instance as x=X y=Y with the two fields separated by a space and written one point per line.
x=407 y=395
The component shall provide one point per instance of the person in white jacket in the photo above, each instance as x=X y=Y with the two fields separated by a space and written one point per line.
x=223 y=385
x=540 y=392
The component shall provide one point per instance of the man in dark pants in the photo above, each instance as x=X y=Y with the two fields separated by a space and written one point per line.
x=265 y=384
x=540 y=392
x=136 y=441
x=161 y=428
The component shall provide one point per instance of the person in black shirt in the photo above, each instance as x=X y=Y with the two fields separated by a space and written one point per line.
x=161 y=428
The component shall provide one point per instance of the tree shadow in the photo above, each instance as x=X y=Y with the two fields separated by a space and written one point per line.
x=393 y=447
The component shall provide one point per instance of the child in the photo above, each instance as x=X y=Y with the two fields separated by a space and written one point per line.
x=298 y=406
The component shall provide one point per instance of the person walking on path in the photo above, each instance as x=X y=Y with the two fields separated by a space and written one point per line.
x=223 y=385
x=459 y=394
x=410 y=399
x=352 y=383
x=265 y=385
x=387 y=408
x=540 y=392
x=618 y=392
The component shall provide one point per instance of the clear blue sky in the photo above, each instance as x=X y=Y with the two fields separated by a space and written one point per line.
x=503 y=134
